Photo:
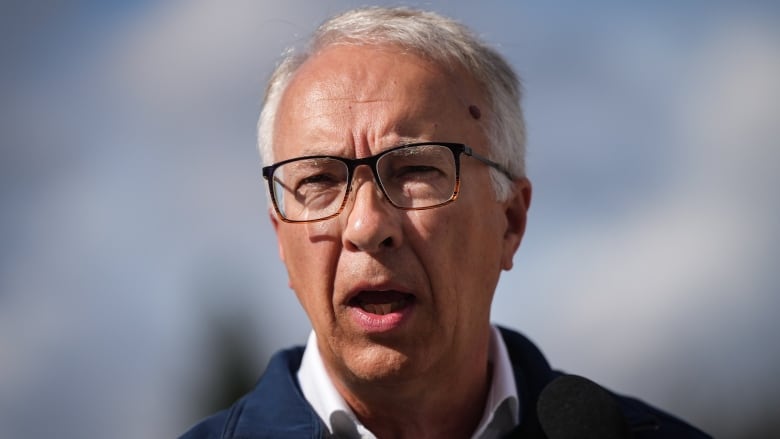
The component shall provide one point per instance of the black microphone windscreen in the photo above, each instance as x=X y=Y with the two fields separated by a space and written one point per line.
x=573 y=407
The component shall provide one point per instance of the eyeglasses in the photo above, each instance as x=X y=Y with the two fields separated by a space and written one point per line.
x=416 y=176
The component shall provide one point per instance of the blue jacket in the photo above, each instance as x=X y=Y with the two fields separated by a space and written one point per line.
x=276 y=408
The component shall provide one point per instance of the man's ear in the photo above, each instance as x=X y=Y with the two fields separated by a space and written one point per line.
x=275 y=223
x=516 y=211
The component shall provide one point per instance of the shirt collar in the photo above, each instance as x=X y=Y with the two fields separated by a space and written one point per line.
x=501 y=414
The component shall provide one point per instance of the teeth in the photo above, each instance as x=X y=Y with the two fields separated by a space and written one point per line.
x=383 y=308
x=395 y=306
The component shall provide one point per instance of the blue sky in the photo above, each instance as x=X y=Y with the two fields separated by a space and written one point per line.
x=134 y=212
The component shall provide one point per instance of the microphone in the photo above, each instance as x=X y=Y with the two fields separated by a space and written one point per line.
x=573 y=407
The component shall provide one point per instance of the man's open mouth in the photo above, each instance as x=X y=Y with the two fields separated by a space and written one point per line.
x=381 y=302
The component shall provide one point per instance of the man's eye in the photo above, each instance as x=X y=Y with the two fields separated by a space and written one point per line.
x=417 y=171
x=317 y=182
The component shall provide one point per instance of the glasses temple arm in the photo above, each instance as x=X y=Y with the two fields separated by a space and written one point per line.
x=487 y=161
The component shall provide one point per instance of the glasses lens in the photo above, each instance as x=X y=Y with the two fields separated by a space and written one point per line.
x=310 y=189
x=419 y=176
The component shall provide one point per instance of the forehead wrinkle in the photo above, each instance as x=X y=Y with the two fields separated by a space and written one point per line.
x=413 y=123
x=334 y=103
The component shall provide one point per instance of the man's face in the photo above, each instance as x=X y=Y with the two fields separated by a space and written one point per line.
x=394 y=294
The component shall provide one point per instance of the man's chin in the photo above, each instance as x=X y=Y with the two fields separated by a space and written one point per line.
x=378 y=364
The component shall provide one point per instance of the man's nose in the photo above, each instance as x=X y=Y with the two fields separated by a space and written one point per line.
x=372 y=222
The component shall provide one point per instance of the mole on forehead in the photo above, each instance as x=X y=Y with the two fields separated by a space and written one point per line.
x=475 y=112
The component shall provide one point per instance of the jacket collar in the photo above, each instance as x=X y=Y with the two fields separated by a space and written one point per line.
x=276 y=404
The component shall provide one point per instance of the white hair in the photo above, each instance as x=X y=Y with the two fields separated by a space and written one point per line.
x=431 y=36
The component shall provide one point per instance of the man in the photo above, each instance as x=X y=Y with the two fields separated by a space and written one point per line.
x=394 y=147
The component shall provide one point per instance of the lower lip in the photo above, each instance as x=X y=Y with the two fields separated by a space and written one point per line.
x=375 y=323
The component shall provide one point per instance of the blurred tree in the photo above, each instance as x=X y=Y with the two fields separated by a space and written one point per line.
x=234 y=370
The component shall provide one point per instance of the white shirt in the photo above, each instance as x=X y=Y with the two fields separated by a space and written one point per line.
x=501 y=414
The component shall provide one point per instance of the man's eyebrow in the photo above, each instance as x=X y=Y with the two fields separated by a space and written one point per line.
x=318 y=150
x=335 y=150
x=404 y=140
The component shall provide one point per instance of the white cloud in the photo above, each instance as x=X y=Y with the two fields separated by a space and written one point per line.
x=191 y=52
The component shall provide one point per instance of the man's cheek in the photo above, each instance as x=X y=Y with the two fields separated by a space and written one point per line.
x=312 y=265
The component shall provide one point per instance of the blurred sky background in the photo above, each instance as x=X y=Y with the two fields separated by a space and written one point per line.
x=133 y=225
